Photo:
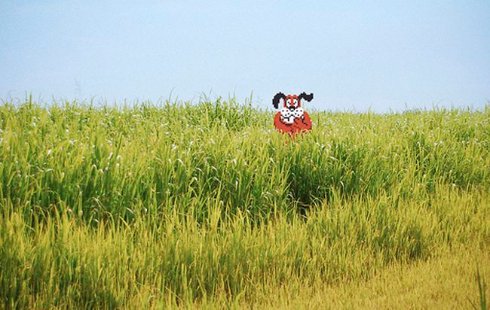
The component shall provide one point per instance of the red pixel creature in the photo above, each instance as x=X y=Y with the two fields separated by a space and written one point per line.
x=291 y=118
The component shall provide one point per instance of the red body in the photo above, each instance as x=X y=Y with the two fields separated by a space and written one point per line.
x=299 y=125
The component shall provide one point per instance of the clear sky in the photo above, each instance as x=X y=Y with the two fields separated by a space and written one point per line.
x=355 y=56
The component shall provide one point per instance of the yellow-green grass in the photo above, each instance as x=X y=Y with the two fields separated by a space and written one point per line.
x=207 y=206
x=446 y=281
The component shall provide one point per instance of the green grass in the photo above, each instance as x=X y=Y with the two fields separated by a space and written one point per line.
x=207 y=206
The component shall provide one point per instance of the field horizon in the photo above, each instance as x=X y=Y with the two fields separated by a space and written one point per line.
x=206 y=205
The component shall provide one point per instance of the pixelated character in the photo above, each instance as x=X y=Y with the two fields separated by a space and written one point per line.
x=291 y=118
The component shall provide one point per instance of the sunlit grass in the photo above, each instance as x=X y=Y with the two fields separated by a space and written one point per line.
x=206 y=205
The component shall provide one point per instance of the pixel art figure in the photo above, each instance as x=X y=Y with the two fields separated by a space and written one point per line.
x=291 y=118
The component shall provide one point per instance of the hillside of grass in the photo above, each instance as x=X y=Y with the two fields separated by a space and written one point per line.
x=206 y=205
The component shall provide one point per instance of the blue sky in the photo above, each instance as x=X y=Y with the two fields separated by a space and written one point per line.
x=360 y=55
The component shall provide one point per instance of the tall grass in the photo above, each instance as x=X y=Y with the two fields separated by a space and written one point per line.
x=179 y=204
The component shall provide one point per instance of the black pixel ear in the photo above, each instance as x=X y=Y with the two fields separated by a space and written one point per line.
x=306 y=97
x=277 y=97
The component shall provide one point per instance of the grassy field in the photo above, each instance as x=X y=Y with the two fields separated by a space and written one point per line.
x=179 y=205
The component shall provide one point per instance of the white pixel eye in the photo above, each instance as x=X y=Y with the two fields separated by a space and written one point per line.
x=295 y=102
